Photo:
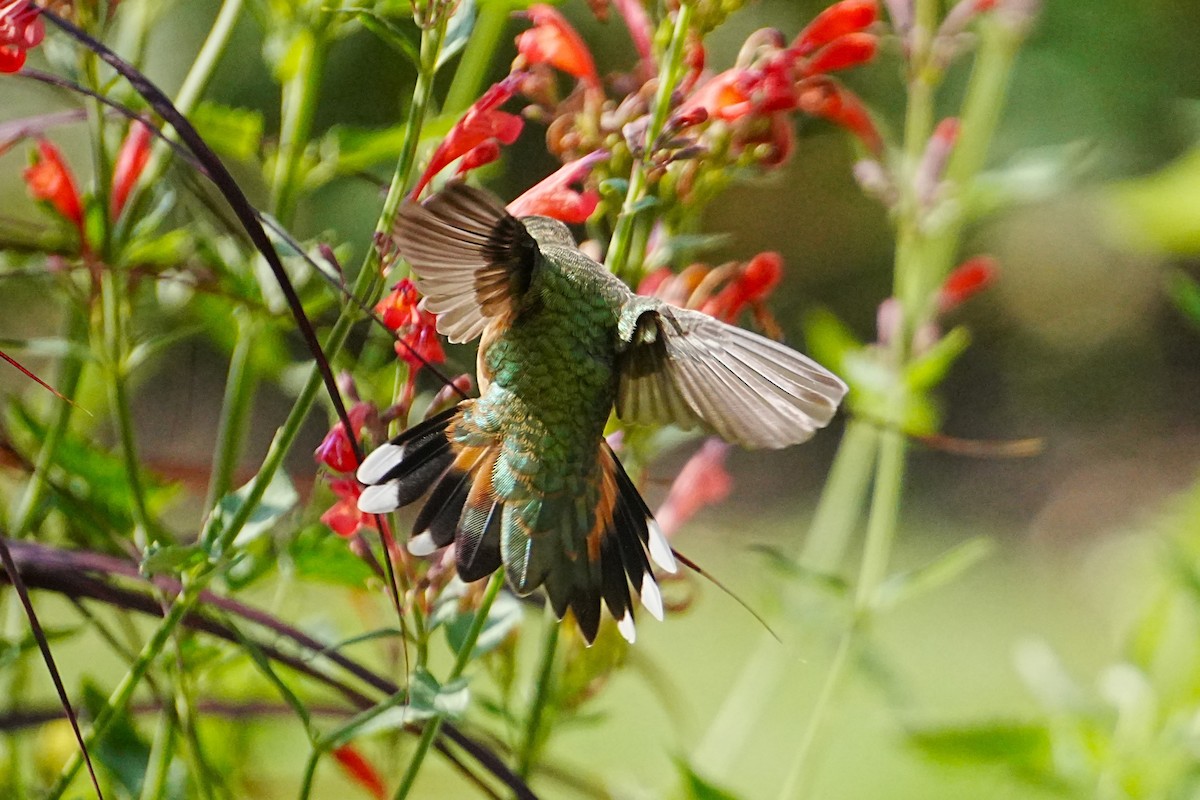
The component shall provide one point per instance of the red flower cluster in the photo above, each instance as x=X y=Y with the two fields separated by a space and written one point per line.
x=336 y=452
x=418 y=342
x=772 y=79
x=725 y=291
x=20 y=29
x=553 y=41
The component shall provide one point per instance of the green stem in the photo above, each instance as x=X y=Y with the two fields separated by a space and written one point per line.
x=69 y=376
x=162 y=749
x=238 y=402
x=430 y=732
x=542 y=693
x=881 y=534
x=298 y=105
x=477 y=57
x=829 y=535
x=621 y=245
x=113 y=305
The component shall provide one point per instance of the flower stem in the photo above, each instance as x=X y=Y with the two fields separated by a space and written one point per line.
x=298 y=105
x=432 y=725
x=620 y=247
x=545 y=680
x=236 y=406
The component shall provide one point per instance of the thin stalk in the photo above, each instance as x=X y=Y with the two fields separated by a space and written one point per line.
x=367 y=286
x=298 y=105
x=881 y=534
x=69 y=375
x=542 y=693
x=829 y=534
x=236 y=405
x=432 y=725
x=621 y=245
x=477 y=57
x=162 y=749
x=113 y=305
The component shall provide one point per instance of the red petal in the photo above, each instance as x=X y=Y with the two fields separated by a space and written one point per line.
x=845 y=51
x=130 y=162
x=360 y=770
x=50 y=179
x=553 y=41
x=838 y=20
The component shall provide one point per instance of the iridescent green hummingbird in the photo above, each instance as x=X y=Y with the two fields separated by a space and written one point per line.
x=522 y=477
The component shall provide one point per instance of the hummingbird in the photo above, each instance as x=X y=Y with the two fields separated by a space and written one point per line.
x=522 y=476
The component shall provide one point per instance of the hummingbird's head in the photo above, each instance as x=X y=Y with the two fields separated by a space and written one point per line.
x=546 y=230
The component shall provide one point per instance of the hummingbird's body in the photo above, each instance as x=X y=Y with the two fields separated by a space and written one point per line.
x=522 y=476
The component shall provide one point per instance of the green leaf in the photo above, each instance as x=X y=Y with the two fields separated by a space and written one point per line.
x=394 y=36
x=930 y=368
x=171 y=559
x=318 y=554
x=791 y=568
x=426 y=698
x=697 y=788
x=233 y=132
x=458 y=31
x=278 y=499
x=829 y=340
x=121 y=751
x=1023 y=747
x=504 y=617
x=948 y=566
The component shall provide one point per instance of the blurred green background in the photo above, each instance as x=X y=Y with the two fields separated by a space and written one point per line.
x=1078 y=343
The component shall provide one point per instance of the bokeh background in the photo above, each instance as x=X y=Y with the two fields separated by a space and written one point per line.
x=1078 y=344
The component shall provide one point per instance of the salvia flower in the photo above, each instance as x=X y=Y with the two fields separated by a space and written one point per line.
x=965 y=281
x=336 y=450
x=840 y=19
x=131 y=160
x=20 y=29
x=482 y=122
x=553 y=41
x=554 y=197
x=343 y=517
x=703 y=481
x=360 y=770
x=751 y=286
x=417 y=340
x=49 y=180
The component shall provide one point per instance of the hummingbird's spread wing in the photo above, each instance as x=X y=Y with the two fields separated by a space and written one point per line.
x=470 y=256
x=687 y=368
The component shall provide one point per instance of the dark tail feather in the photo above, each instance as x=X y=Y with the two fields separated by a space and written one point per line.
x=477 y=553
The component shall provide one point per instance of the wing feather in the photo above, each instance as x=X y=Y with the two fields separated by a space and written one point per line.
x=471 y=258
x=690 y=369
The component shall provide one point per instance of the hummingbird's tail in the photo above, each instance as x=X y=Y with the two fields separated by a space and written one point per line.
x=463 y=507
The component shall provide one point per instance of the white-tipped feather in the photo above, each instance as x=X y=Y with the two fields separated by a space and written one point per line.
x=651 y=597
x=378 y=499
x=422 y=545
x=379 y=462
x=625 y=626
x=660 y=548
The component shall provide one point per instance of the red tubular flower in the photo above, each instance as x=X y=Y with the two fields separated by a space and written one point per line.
x=702 y=482
x=343 y=517
x=20 y=29
x=420 y=344
x=360 y=770
x=336 y=450
x=484 y=153
x=752 y=285
x=50 y=180
x=399 y=308
x=135 y=151
x=965 y=281
x=845 y=51
x=553 y=41
x=848 y=16
x=483 y=121
x=554 y=197
x=823 y=97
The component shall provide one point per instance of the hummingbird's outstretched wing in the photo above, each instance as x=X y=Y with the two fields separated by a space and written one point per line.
x=687 y=368
x=471 y=257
